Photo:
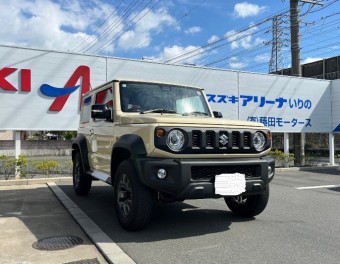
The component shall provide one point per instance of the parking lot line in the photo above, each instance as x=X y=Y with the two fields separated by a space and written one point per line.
x=317 y=187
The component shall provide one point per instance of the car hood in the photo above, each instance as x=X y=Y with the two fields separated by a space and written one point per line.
x=185 y=120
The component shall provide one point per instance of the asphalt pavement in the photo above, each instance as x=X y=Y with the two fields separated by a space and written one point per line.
x=301 y=224
x=298 y=225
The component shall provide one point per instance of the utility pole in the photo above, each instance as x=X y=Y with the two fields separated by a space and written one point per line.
x=299 y=138
x=295 y=37
x=299 y=146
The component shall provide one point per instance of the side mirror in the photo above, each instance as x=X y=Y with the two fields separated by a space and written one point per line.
x=217 y=114
x=101 y=111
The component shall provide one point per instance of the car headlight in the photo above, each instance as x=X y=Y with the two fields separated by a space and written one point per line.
x=175 y=140
x=259 y=141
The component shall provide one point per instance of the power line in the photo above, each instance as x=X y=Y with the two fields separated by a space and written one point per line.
x=223 y=38
x=250 y=51
x=239 y=52
x=96 y=30
x=117 y=36
x=325 y=6
x=202 y=49
x=176 y=21
x=112 y=26
x=219 y=46
x=323 y=26
x=245 y=53
x=250 y=56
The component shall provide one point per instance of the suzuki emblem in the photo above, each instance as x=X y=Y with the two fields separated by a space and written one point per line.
x=223 y=139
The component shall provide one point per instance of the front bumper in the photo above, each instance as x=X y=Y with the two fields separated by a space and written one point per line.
x=194 y=178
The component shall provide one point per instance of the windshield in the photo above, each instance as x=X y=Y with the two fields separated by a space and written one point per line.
x=161 y=98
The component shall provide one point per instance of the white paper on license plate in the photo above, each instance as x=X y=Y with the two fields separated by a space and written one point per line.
x=230 y=184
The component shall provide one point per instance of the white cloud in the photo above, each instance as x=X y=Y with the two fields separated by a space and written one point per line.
x=175 y=50
x=213 y=38
x=311 y=59
x=193 y=30
x=48 y=24
x=262 y=57
x=234 y=63
x=246 y=9
x=69 y=25
x=242 y=39
x=140 y=35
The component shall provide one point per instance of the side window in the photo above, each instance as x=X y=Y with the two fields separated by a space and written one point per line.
x=105 y=97
x=86 y=111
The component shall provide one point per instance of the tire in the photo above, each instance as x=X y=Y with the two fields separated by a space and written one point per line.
x=248 y=206
x=81 y=181
x=132 y=200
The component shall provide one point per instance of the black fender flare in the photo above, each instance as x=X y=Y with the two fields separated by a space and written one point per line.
x=79 y=144
x=129 y=146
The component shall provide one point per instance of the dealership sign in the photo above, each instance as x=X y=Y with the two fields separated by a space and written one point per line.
x=42 y=90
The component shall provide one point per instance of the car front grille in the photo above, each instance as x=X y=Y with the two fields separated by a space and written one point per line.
x=220 y=139
x=207 y=173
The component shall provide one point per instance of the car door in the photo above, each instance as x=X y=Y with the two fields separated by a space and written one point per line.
x=102 y=133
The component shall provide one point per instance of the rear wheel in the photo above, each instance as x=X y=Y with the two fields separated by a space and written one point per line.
x=81 y=181
x=133 y=201
x=248 y=206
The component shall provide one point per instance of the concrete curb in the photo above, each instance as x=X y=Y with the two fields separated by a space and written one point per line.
x=34 y=181
x=110 y=250
x=323 y=167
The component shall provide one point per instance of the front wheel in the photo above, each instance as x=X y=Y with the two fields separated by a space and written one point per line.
x=81 y=181
x=133 y=201
x=248 y=206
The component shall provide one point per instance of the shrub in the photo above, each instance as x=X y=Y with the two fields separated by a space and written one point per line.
x=282 y=159
x=46 y=166
x=9 y=166
x=313 y=158
x=22 y=163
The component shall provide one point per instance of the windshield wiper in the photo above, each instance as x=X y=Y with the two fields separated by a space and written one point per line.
x=159 y=110
x=195 y=113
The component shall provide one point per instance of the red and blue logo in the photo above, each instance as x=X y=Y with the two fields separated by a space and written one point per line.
x=82 y=74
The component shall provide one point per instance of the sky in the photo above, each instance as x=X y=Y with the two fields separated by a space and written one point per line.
x=237 y=35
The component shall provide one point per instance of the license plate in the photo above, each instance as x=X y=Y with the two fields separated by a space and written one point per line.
x=230 y=184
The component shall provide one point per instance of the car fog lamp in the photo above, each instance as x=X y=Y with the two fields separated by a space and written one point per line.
x=270 y=171
x=161 y=174
x=259 y=141
x=175 y=140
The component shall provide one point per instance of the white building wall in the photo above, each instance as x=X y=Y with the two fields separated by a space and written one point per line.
x=283 y=103
x=335 y=90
